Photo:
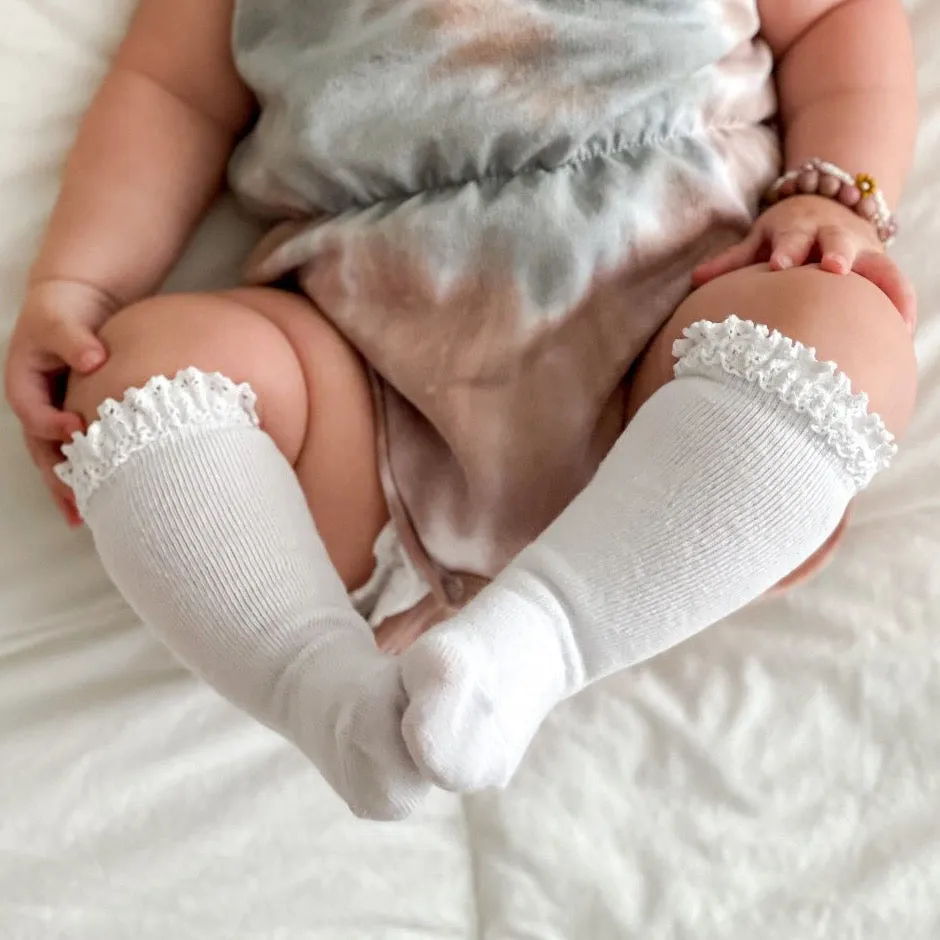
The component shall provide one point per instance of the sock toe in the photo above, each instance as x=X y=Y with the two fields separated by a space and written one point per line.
x=451 y=725
x=382 y=781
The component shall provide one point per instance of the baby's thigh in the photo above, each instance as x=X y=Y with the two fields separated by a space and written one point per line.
x=845 y=319
x=313 y=395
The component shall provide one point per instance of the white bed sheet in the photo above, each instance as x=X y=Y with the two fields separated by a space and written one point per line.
x=778 y=778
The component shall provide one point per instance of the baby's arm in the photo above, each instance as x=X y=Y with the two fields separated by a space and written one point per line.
x=150 y=155
x=846 y=79
x=847 y=84
x=151 y=152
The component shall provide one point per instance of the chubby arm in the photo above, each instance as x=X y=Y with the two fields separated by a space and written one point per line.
x=846 y=78
x=150 y=155
x=151 y=152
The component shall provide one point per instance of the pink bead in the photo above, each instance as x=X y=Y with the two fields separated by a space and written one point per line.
x=849 y=195
x=808 y=181
x=788 y=189
x=829 y=186
x=867 y=209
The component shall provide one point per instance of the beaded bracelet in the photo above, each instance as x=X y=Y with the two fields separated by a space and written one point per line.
x=859 y=193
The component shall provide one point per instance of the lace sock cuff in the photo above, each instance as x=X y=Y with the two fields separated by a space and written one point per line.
x=790 y=371
x=149 y=416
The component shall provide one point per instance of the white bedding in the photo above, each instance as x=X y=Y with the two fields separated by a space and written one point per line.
x=778 y=778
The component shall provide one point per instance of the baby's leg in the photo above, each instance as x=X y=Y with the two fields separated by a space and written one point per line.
x=727 y=478
x=202 y=522
x=751 y=289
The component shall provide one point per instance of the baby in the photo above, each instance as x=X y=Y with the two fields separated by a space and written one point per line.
x=468 y=384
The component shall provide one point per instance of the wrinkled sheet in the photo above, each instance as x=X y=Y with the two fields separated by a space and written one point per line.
x=779 y=777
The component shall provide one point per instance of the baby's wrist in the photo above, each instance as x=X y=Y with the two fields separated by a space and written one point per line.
x=860 y=194
x=40 y=282
x=70 y=297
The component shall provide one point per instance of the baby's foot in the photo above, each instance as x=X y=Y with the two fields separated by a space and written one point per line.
x=480 y=686
x=355 y=705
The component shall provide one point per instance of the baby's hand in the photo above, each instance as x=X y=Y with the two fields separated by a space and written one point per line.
x=54 y=334
x=812 y=228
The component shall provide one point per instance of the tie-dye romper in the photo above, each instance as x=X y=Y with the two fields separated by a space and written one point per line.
x=499 y=203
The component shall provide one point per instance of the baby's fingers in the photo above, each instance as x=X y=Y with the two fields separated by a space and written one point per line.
x=27 y=390
x=888 y=277
x=790 y=249
x=731 y=259
x=46 y=422
x=46 y=455
x=838 y=250
x=76 y=345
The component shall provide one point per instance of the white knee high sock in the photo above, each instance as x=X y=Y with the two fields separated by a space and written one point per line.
x=202 y=525
x=725 y=482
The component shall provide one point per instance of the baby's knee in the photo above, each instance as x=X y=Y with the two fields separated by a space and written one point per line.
x=212 y=333
x=846 y=319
